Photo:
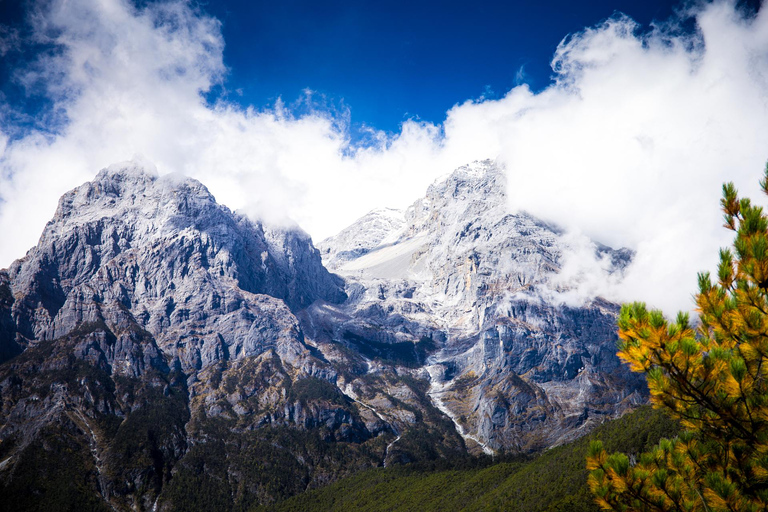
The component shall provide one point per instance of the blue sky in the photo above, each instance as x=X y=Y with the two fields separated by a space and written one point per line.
x=389 y=61
x=626 y=141
x=382 y=62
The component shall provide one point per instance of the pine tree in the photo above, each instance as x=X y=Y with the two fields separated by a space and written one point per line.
x=712 y=377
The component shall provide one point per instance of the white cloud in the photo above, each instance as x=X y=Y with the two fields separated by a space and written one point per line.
x=129 y=81
x=629 y=146
x=633 y=142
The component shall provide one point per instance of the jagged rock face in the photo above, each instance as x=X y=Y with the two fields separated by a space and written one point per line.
x=137 y=285
x=99 y=408
x=151 y=327
x=176 y=347
x=511 y=363
x=459 y=250
x=205 y=282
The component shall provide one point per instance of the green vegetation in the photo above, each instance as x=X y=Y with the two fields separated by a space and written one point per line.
x=310 y=389
x=54 y=473
x=145 y=444
x=712 y=378
x=553 y=481
x=234 y=470
x=139 y=443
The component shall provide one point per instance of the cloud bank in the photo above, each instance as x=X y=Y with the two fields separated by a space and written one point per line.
x=629 y=145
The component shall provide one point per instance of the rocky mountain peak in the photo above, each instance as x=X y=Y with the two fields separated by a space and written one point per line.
x=149 y=312
x=480 y=179
x=483 y=282
x=152 y=323
x=137 y=197
x=164 y=249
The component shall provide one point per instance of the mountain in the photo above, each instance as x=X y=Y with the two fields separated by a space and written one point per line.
x=158 y=353
x=162 y=352
x=514 y=366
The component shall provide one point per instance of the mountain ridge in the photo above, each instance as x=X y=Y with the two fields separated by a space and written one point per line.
x=175 y=345
x=488 y=282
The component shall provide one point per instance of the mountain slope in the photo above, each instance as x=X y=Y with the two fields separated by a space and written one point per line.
x=146 y=314
x=181 y=355
x=514 y=362
x=553 y=481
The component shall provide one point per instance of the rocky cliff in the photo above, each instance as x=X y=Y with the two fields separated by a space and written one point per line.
x=516 y=360
x=152 y=331
x=161 y=351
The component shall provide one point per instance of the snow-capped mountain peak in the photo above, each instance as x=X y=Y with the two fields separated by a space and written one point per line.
x=498 y=286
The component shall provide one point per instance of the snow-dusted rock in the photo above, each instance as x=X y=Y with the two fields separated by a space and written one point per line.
x=520 y=359
x=457 y=321
x=207 y=283
x=373 y=231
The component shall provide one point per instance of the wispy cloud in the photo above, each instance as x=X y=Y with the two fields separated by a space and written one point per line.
x=127 y=81
x=629 y=145
x=632 y=143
